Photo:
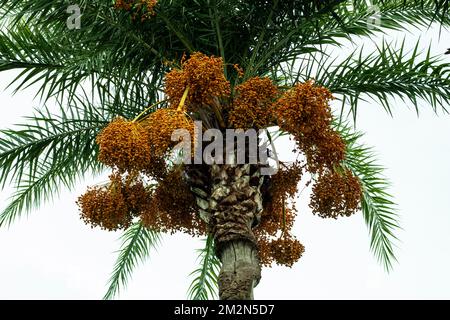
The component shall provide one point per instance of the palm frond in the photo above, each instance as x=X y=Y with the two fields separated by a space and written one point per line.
x=47 y=153
x=310 y=32
x=387 y=73
x=137 y=241
x=418 y=12
x=363 y=18
x=204 y=284
x=378 y=208
x=109 y=57
x=46 y=138
x=392 y=72
x=42 y=184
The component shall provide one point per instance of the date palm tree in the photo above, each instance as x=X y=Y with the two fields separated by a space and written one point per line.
x=113 y=61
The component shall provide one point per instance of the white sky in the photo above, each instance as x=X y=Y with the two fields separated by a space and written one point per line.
x=53 y=255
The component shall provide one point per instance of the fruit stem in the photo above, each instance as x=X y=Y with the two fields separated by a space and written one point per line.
x=143 y=112
x=284 y=217
x=183 y=99
x=215 y=107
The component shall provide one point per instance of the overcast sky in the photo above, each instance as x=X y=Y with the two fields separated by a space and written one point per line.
x=51 y=254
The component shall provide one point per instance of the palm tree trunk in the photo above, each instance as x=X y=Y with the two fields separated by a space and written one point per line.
x=235 y=205
x=241 y=271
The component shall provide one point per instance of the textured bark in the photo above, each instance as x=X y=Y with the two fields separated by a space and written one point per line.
x=231 y=203
x=241 y=271
x=235 y=203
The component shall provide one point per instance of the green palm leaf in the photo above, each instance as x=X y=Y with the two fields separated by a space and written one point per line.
x=378 y=208
x=204 y=284
x=47 y=153
x=389 y=72
x=137 y=242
